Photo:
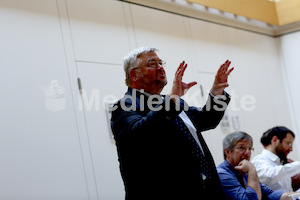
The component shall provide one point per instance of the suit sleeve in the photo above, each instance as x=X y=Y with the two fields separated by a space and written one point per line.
x=211 y=114
x=129 y=121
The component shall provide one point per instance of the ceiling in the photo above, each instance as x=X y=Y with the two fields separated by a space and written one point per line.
x=269 y=17
x=274 y=12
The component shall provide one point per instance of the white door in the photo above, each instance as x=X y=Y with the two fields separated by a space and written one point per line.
x=102 y=83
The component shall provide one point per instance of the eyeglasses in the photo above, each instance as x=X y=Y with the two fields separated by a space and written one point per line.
x=153 y=64
x=243 y=149
x=290 y=144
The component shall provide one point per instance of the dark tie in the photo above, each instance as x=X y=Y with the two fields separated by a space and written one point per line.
x=204 y=166
x=241 y=180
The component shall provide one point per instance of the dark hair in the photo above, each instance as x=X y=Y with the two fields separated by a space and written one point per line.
x=279 y=131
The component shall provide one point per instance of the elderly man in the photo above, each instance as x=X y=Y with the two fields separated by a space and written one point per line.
x=161 y=151
x=272 y=164
x=238 y=175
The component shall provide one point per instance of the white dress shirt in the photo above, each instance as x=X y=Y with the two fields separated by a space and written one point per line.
x=189 y=124
x=272 y=173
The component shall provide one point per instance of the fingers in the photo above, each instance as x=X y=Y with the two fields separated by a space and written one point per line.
x=223 y=85
x=191 y=84
x=179 y=88
x=223 y=68
x=229 y=71
x=180 y=70
x=238 y=168
x=224 y=72
x=241 y=168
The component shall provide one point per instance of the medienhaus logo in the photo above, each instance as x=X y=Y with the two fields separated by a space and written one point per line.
x=155 y=102
x=54 y=96
x=91 y=101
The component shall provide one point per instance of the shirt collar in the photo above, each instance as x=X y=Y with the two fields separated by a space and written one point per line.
x=143 y=92
x=270 y=155
x=146 y=93
x=228 y=165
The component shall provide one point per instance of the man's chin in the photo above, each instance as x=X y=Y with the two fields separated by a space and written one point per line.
x=163 y=82
x=166 y=82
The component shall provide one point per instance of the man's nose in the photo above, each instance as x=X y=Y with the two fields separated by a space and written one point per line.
x=160 y=67
x=248 y=151
x=291 y=146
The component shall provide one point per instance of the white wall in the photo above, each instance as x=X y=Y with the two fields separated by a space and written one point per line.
x=40 y=149
x=289 y=45
x=60 y=147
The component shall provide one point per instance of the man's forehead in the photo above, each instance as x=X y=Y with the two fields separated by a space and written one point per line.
x=289 y=136
x=147 y=56
x=243 y=142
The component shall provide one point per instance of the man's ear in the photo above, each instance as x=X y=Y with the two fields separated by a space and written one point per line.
x=227 y=152
x=133 y=75
x=275 y=140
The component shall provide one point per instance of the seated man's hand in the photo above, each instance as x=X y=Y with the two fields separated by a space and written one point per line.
x=244 y=166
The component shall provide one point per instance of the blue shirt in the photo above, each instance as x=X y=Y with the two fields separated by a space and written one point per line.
x=234 y=190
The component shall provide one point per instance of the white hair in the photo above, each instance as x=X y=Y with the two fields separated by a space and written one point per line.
x=131 y=60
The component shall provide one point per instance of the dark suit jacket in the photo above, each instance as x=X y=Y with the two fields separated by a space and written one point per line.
x=157 y=161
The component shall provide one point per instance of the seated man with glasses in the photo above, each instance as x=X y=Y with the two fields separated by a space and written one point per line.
x=161 y=151
x=273 y=167
x=238 y=175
